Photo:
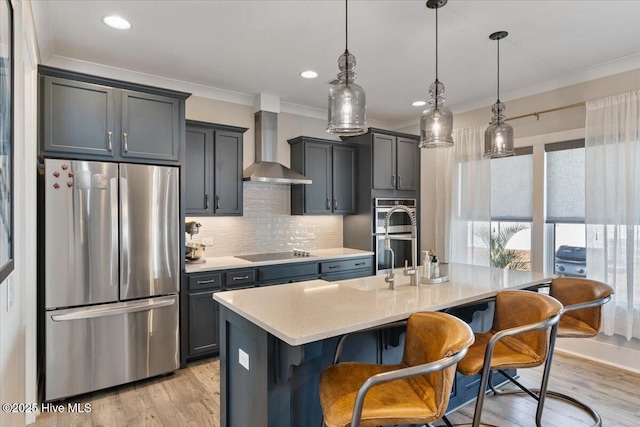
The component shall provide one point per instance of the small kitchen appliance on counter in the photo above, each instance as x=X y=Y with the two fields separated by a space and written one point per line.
x=194 y=252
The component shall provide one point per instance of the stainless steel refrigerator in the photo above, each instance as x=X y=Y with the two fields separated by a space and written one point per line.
x=111 y=274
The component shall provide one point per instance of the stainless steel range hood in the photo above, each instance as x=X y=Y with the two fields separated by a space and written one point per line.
x=266 y=168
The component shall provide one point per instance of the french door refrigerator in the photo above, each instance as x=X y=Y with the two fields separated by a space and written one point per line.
x=111 y=274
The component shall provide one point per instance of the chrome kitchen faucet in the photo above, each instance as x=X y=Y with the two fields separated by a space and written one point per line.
x=413 y=272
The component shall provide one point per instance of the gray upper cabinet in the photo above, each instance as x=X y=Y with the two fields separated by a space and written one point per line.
x=332 y=168
x=77 y=117
x=384 y=165
x=407 y=164
x=395 y=163
x=90 y=117
x=213 y=169
x=198 y=171
x=150 y=126
x=344 y=179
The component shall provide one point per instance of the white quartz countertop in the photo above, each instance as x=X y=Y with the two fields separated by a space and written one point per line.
x=304 y=312
x=224 y=262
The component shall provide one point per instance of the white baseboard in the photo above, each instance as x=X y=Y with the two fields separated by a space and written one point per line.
x=621 y=356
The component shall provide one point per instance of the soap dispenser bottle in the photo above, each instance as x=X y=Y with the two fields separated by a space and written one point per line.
x=435 y=268
x=426 y=265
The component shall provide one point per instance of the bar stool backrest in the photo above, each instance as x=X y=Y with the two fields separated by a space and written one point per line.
x=517 y=308
x=583 y=322
x=429 y=337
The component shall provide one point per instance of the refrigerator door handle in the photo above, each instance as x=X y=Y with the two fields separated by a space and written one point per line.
x=114 y=232
x=125 y=249
x=125 y=308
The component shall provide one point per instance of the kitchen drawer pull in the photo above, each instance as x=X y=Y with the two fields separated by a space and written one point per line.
x=240 y=277
x=206 y=201
x=360 y=263
x=205 y=282
x=331 y=267
x=126 y=142
x=110 y=146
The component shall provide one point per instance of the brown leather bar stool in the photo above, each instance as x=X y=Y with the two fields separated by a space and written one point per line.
x=581 y=318
x=414 y=391
x=522 y=335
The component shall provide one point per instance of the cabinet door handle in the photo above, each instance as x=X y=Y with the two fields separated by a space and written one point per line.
x=331 y=267
x=206 y=282
x=126 y=142
x=335 y=204
x=217 y=202
x=240 y=277
x=360 y=263
x=328 y=203
x=393 y=180
x=399 y=181
x=110 y=146
x=206 y=201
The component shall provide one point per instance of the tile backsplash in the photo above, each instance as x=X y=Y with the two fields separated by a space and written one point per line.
x=267 y=225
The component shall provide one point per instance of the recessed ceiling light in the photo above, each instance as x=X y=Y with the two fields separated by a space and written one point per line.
x=418 y=103
x=116 y=22
x=309 y=74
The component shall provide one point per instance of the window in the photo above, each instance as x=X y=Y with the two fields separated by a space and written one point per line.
x=511 y=210
x=565 y=201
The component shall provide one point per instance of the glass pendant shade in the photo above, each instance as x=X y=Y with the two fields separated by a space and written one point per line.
x=347 y=101
x=498 y=138
x=436 y=122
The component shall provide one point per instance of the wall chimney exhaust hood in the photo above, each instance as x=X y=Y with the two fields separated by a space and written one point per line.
x=266 y=167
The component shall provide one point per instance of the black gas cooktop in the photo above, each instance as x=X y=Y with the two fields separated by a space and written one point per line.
x=275 y=256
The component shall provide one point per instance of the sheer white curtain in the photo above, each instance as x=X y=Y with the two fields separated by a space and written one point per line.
x=463 y=217
x=612 y=210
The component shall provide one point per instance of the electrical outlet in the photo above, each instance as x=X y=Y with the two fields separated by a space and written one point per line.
x=243 y=359
x=10 y=293
x=207 y=241
x=311 y=236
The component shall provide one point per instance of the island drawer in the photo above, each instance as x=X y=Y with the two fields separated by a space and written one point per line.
x=345 y=264
x=204 y=281
x=239 y=278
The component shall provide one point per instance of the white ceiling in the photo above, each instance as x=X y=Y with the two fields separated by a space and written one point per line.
x=252 y=47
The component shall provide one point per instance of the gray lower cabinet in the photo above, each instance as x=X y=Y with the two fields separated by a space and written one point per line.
x=395 y=162
x=203 y=323
x=202 y=335
x=202 y=331
x=332 y=168
x=90 y=117
x=344 y=269
x=213 y=169
x=203 y=312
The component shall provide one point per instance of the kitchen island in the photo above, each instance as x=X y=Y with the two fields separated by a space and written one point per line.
x=275 y=341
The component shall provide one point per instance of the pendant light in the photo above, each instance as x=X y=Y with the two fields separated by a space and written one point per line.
x=347 y=103
x=498 y=138
x=436 y=122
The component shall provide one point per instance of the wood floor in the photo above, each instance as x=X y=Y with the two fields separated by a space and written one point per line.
x=191 y=397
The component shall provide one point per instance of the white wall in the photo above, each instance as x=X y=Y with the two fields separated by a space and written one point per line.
x=18 y=292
